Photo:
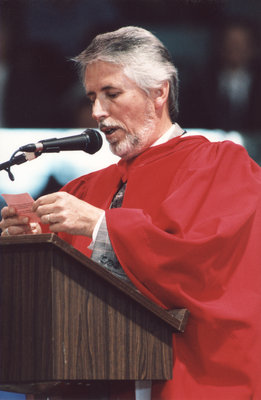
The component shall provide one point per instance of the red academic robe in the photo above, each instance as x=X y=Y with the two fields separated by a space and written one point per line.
x=189 y=235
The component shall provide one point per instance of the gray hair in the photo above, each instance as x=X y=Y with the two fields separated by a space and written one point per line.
x=143 y=57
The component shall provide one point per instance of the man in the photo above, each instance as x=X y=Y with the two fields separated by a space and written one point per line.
x=234 y=80
x=188 y=231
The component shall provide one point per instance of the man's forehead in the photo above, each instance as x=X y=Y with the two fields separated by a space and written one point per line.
x=99 y=70
x=106 y=68
x=101 y=75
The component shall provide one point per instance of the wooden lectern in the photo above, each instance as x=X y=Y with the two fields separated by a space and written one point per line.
x=66 y=322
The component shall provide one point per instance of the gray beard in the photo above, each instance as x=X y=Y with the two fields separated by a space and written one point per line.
x=133 y=144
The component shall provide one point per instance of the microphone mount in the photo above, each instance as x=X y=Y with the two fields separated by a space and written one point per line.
x=17 y=160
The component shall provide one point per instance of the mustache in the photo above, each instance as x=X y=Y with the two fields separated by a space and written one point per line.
x=104 y=125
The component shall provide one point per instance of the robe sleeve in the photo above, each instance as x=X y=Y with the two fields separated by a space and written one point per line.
x=203 y=231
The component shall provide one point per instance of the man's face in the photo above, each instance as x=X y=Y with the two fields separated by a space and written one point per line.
x=124 y=112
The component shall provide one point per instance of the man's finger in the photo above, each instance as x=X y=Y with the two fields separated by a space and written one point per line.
x=7 y=212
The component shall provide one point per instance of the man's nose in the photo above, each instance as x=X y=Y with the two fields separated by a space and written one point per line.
x=98 y=110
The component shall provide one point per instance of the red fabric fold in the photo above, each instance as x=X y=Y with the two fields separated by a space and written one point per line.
x=188 y=235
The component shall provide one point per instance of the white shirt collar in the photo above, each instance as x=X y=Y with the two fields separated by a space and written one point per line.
x=174 y=131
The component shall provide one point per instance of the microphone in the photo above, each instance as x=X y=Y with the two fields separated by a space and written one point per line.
x=89 y=141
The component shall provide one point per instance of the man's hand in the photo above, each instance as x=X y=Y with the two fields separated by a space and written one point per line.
x=66 y=213
x=12 y=224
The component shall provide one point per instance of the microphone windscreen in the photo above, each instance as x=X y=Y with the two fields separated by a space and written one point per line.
x=95 y=141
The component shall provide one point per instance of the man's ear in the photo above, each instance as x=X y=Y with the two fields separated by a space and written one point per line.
x=161 y=95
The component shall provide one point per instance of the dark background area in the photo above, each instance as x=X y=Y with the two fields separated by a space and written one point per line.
x=39 y=86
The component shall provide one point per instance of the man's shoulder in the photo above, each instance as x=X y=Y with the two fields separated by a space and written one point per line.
x=203 y=151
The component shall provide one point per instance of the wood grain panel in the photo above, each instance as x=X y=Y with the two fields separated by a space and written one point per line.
x=64 y=320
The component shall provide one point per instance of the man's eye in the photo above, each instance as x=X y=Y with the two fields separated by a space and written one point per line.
x=112 y=95
x=91 y=101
